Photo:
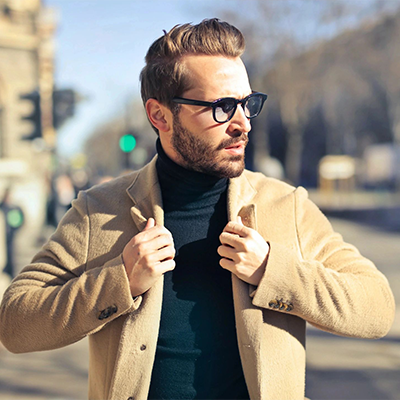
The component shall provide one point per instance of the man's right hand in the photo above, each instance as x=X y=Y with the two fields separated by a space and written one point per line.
x=147 y=256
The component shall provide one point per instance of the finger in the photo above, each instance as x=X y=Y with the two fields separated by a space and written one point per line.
x=167 y=265
x=149 y=224
x=232 y=240
x=149 y=247
x=226 y=252
x=236 y=228
x=151 y=233
x=160 y=267
x=166 y=253
x=158 y=242
x=227 y=264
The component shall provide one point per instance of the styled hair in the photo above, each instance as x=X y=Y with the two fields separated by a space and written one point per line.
x=164 y=76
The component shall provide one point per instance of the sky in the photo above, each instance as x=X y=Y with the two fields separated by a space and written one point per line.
x=100 y=50
x=100 y=47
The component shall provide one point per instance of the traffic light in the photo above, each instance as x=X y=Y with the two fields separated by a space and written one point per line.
x=15 y=217
x=64 y=101
x=35 y=116
x=127 y=143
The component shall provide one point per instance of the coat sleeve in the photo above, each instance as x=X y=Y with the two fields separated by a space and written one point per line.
x=55 y=301
x=325 y=281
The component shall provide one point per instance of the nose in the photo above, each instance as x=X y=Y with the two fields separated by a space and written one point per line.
x=239 y=121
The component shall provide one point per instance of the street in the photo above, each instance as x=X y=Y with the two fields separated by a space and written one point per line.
x=337 y=368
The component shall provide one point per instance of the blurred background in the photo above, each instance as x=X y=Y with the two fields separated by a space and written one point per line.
x=71 y=117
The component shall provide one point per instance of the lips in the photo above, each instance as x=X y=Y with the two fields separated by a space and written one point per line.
x=235 y=146
x=236 y=149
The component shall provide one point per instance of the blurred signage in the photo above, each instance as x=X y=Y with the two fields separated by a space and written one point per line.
x=382 y=163
x=337 y=167
x=337 y=174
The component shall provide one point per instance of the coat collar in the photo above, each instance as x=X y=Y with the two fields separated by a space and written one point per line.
x=145 y=193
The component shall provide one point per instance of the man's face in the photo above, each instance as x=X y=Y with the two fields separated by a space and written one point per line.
x=197 y=141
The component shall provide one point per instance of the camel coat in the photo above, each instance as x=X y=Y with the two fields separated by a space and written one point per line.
x=76 y=286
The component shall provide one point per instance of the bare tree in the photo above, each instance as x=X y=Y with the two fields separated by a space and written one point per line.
x=277 y=31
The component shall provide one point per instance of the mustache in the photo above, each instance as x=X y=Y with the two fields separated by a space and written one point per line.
x=232 y=141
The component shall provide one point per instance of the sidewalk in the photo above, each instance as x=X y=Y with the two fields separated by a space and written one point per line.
x=51 y=375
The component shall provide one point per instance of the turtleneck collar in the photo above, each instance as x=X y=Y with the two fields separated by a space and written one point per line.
x=180 y=177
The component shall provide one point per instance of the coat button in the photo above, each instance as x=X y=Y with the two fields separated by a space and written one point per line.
x=143 y=347
x=274 y=304
x=107 y=312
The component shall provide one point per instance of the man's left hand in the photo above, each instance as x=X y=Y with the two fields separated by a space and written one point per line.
x=244 y=252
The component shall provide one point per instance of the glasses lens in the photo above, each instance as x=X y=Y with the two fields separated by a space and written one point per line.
x=253 y=106
x=224 y=109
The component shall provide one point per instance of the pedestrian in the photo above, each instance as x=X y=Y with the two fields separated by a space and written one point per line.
x=13 y=221
x=192 y=277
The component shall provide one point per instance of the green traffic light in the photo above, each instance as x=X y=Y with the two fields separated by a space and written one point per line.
x=15 y=218
x=127 y=143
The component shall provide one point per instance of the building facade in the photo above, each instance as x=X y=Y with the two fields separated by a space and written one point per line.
x=26 y=67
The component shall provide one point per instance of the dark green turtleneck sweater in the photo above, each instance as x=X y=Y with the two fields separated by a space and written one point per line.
x=197 y=354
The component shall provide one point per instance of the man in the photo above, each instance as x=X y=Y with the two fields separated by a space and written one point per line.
x=192 y=277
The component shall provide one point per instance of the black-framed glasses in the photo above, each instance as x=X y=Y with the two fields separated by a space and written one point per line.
x=224 y=109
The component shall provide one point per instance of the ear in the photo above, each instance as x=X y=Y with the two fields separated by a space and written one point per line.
x=159 y=115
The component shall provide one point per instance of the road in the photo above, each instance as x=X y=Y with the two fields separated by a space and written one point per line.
x=337 y=368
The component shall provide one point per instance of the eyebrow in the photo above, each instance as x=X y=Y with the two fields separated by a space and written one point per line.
x=184 y=100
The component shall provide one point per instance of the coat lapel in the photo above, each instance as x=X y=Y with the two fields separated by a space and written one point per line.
x=145 y=193
x=140 y=328
x=248 y=317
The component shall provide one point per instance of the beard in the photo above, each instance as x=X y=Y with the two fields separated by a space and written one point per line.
x=198 y=155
